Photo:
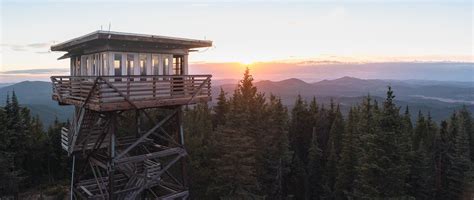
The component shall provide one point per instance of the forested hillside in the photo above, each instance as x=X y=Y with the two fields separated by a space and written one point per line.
x=250 y=146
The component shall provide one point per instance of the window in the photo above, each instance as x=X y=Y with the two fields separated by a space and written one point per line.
x=143 y=64
x=105 y=68
x=130 y=59
x=155 y=63
x=77 y=65
x=118 y=64
x=177 y=64
x=88 y=66
x=94 y=65
x=166 y=65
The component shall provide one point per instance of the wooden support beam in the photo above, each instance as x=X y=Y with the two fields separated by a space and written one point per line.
x=144 y=136
x=158 y=154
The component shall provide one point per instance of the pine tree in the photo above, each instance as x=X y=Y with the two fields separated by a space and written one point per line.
x=347 y=164
x=235 y=172
x=276 y=153
x=324 y=122
x=420 y=131
x=238 y=142
x=334 y=146
x=365 y=186
x=201 y=148
x=220 y=109
x=337 y=132
x=468 y=124
x=4 y=142
x=442 y=160
x=315 y=189
x=392 y=141
x=300 y=129
x=459 y=167
x=298 y=183
x=420 y=179
x=384 y=168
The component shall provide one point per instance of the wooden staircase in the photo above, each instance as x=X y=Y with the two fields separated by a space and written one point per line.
x=85 y=133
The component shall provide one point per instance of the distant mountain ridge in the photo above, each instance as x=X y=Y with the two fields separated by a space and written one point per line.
x=439 y=98
x=36 y=95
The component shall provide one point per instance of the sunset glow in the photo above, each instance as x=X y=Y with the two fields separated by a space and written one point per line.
x=248 y=33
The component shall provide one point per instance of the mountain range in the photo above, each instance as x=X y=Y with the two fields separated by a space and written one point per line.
x=439 y=98
x=36 y=95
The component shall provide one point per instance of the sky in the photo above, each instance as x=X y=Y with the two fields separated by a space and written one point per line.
x=245 y=32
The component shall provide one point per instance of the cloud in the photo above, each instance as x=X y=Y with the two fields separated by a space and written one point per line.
x=39 y=45
x=42 y=52
x=36 y=71
x=30 y=47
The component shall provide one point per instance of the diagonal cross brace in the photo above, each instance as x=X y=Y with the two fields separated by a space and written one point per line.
x=144 y=136
x=198 y=90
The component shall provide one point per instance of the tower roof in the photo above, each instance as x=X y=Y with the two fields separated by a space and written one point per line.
x=101 y=38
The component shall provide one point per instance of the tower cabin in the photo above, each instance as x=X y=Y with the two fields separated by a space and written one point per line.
x=109 y=70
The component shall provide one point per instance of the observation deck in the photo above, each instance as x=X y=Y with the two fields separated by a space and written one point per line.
x=110 y=93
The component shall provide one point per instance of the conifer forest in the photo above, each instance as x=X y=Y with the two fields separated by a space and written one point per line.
x=248 y=145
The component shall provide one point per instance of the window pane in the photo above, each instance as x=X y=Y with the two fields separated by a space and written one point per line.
x=165 y=65
x=130 y=59
x=78 y=66
x=93 y=63
x=156 y=64
x=105 y=69
x=143 y=59
x=88 y=66
x=177 y=60
x=117 y=64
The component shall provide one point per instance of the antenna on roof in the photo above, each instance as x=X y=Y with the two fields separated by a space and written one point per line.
x=100 y=27
x=110 y=25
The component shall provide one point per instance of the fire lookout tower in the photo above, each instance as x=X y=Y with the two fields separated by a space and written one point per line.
x=126 y=136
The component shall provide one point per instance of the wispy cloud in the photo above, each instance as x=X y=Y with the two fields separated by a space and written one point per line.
x=13 y=76
x=36 y=71
x=41 y=47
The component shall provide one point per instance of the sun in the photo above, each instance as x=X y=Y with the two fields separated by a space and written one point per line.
x=247 y=61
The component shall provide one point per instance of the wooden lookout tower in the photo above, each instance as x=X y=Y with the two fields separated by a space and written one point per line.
x=126 y=136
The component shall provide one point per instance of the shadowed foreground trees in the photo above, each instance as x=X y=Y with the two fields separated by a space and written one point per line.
x=29 y=155
x=259 y=150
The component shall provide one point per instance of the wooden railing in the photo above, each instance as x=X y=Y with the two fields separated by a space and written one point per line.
x=116 y=89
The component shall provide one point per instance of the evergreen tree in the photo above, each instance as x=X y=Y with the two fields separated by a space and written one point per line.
x=238 y=142
x=336 y=135
x=235 y=172
x=458 y=171
x=364 y=186
x=441 y=157
x=347 y=164
x=4 y=142
x=220 y=109
x=384 y=168
x=276 y=155
x=300 y=129
x=468 y=124
x=315 y=170
x=201 y=148
x=420 y=179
